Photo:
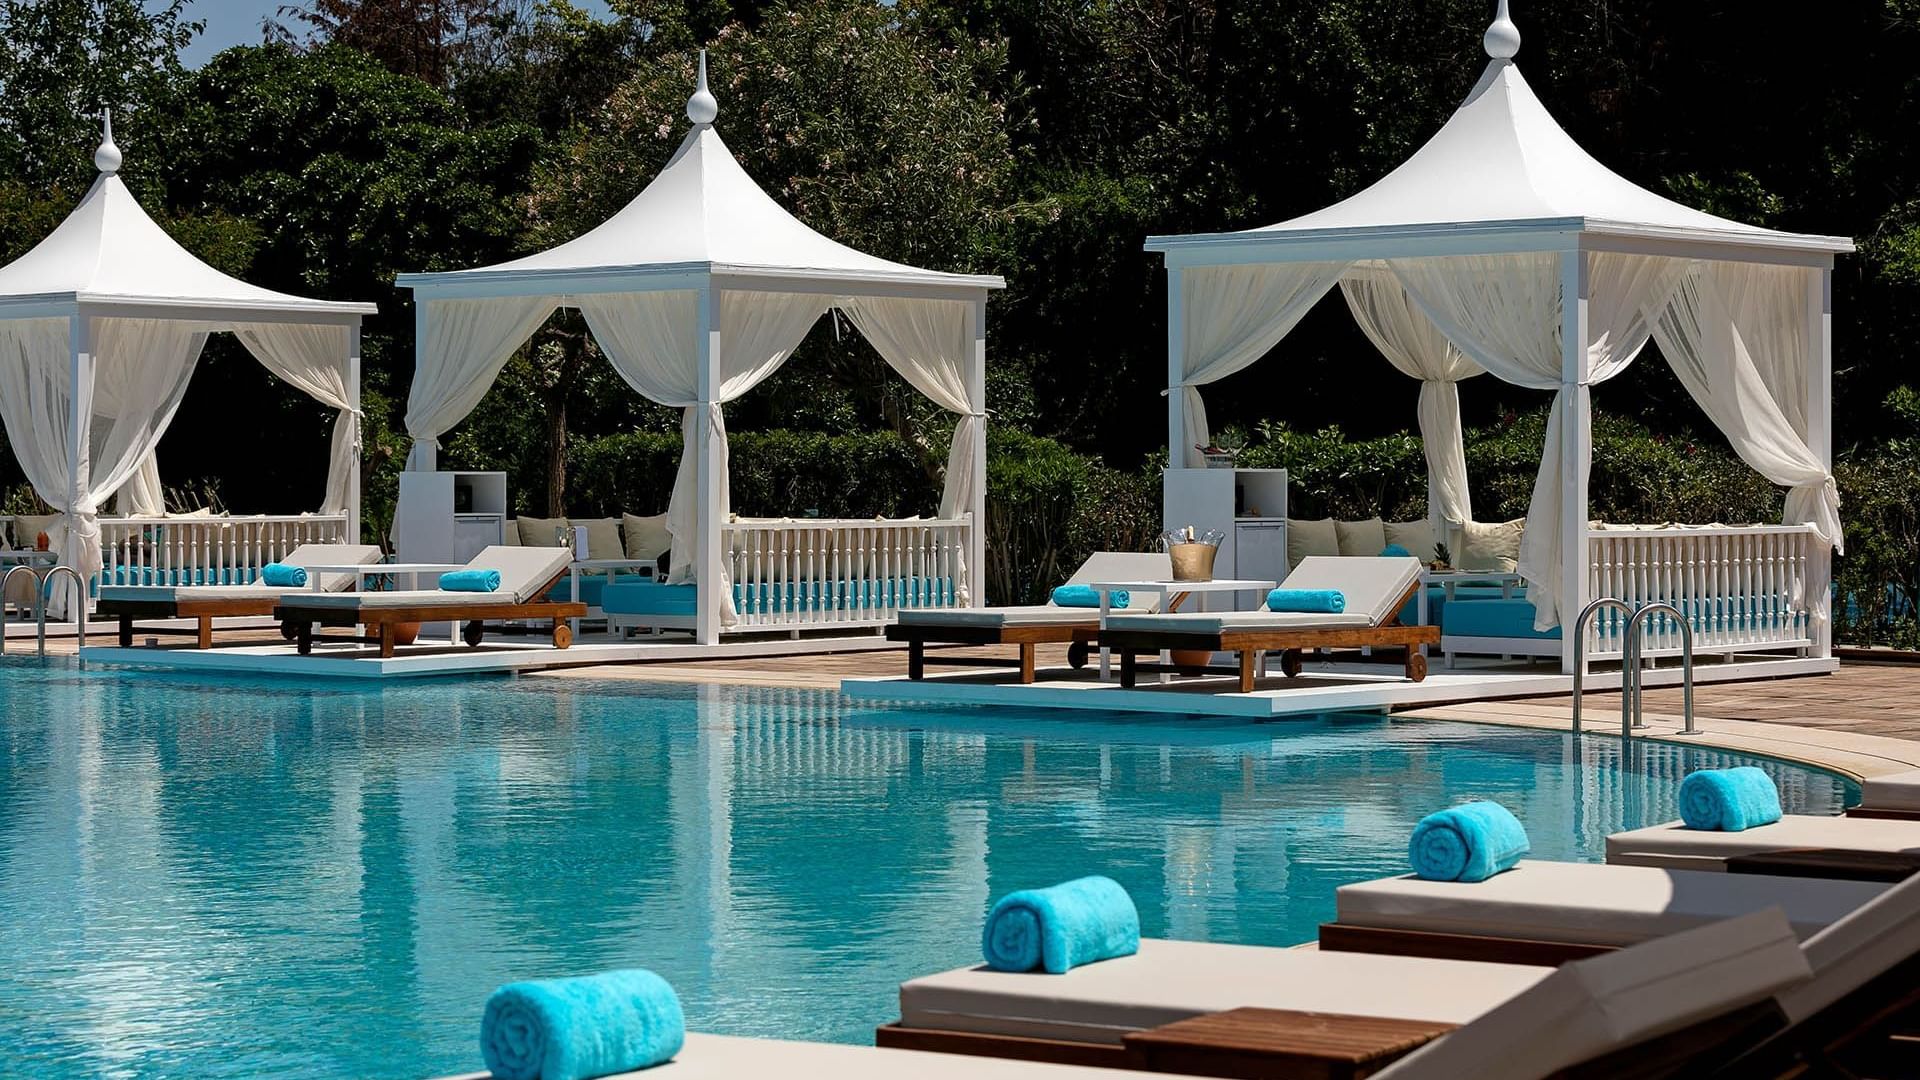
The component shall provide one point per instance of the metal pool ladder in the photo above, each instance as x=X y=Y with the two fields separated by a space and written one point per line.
x=1632 y=703
x=40 y=592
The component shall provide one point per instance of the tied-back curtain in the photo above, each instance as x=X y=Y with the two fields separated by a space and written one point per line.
x=1230 y=317
x=143 y=495
x=651 y=339
x=930 y=344
x=1769 y=306
x=462 y=347
x=141 y=368
x=1705 y=348
x=1503 y=311
x=1417 y=349
x=313 y=360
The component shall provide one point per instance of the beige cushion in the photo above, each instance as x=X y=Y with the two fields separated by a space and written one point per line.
x=645 y=537
x=1791 y=831
x=510 y=533
x=603 y=537
x=543 y=532
x=1593 y=1007
x=1489 y=547
x=1415 y=536
x=1858 y=948
x=1899 y=791
x=28 y=527
x=174 y=594
x=1308 y=537
x=1219 y=622
x=1173 y=980
x=1594 y=904
x=1020 y=615
x=1361 y=537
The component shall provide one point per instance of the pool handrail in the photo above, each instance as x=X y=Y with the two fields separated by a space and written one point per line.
x=46 y=583
x=1686 y=662
x=6 y=580
x=1580 y=658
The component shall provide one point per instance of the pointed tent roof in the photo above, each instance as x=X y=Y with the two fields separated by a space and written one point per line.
x=108 y=251
x=702 y=213
x=1501 y=164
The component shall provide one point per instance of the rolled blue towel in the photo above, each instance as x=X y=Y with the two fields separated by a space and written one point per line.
x=1729 y=800
x=1087 y=596
x=1057 y=929
x=1469 y=842
x=572 y=1029
x=1316 y=601
x=1395 y=551
x=283 y=576
x=470 y=581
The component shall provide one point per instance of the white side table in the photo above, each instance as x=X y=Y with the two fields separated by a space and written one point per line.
x=1172 y=594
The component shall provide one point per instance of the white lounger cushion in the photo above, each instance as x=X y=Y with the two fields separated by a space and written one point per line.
x=304 y=555
x=1100 y=566
x=1673 y=844
x=525 y=572
x=1216 y=622
x=1374 y=588
x=1593 y=1007
x=1899 y=791
x=726 y=1057
x=1857 y=949
x=1173 y=980
x=1596 y=904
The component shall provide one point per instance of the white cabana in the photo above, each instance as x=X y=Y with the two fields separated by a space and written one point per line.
x=697 y=291
x=101 y=326
x=1502 y=246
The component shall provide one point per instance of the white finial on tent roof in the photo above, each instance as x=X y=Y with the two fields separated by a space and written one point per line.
x=701 y=107
x=107 y=158
x=1503 y=38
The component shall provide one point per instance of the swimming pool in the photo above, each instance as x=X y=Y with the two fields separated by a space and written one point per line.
x=238 y=878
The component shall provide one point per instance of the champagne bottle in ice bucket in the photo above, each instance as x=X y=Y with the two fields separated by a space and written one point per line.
x=1192 y=553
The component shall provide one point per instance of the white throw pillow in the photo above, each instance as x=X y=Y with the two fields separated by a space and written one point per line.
x=1486 y=546
x=603 y=537
x=646 y=537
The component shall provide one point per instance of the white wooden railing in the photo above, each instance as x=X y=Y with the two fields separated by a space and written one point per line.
x=813 y=573
x=1743 y=588
x=212 y=550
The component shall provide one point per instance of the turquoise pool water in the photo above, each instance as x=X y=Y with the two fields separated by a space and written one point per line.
x=244 y=878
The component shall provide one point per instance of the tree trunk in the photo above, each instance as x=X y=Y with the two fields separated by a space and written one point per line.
x=557 y=453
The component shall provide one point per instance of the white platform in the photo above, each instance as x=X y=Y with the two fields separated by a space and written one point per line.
x=355 y=660
x=1322 y=687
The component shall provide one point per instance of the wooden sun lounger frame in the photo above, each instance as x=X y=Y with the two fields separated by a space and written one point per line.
x=203 y=612
x=298 y=621
x=1078 y=638
x=1250 y=643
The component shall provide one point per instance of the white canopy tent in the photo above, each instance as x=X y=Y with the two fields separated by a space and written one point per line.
x=1502 y=246
x=101 y=325
x=697 y=291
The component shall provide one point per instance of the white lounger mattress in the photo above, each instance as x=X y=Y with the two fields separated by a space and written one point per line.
x=1647 y=846
x=1022 y=615
x=174 y=594
x=1898 y=791
x=727 y=1057
x=400 y=598
x=1597 y=904
x=1215 y=622
x=1173 y=980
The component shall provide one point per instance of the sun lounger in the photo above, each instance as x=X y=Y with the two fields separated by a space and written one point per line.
x=1027 y=626
x=205 y=603
x=1894 y=796
x=725 y=1057
x=1795 y=846
x=1375 y=588
x=526 y=573
x=1552 y=912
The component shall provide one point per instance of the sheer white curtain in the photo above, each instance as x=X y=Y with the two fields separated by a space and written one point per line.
x=1503 y=311
x=1417 y=349
x=1709 y=353
x=651 y=339
x=143 y=495
x=313 y=360
x=1230 y=317
x=1769 y=305
x=463 y=345
x=141 y=368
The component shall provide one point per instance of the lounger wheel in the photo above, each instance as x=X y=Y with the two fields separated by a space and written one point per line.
x=303 y=638
x=474 y=632
x=1290 y=663
x=1416 y=665
x=1077 y=655
x=562 y=635
x=289 y=629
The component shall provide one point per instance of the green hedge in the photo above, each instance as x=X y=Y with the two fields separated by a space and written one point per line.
x=774 y=474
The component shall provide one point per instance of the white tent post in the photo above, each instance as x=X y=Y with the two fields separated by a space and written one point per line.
x=1176 y=370
x=79 y=440
x=359 y=431
x=1819 y=410
x=706 y=552
x=977 y=393
x=1576 y=448
x=428 y=455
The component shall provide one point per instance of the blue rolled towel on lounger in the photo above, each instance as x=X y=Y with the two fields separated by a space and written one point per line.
x=283 y=576
x=1469 y=842
x=572 y=1029
x=1060 y=928
x=1087 y=596
x=470 y=581
x=1314 y=601
x=1729 y=800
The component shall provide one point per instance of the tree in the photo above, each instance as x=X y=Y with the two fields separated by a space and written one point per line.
x=427 y=39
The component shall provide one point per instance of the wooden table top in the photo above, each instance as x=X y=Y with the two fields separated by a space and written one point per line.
x=1281 y=1044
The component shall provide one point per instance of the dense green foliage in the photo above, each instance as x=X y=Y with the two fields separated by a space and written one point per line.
x=1040 y=139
